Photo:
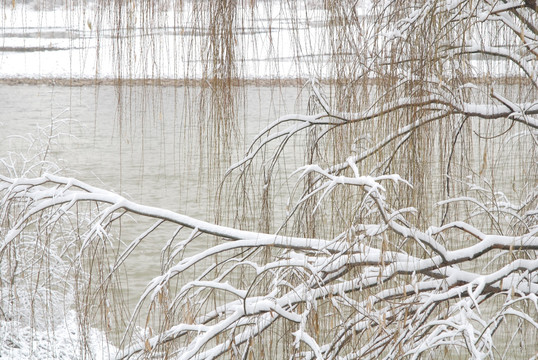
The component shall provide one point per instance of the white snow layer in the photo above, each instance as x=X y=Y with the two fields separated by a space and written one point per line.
x=18 y=341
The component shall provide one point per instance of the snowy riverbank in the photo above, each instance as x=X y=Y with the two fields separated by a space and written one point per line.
x=63 y=341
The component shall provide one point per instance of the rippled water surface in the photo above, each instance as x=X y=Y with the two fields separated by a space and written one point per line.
x=153 y=154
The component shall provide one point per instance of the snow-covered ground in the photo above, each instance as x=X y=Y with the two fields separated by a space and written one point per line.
x=18 y=341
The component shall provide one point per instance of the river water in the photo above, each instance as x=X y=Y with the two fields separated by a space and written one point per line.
x=154 y=155
x=147 y=144
x=150 y=154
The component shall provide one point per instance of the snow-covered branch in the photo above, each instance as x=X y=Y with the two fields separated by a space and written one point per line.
x=326 y=268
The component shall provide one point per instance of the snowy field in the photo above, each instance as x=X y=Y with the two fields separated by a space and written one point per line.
x=56 y=43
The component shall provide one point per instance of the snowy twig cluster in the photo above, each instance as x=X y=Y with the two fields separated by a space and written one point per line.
x=414 y=293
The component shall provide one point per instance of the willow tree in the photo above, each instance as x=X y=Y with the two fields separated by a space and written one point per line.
x=411 y=230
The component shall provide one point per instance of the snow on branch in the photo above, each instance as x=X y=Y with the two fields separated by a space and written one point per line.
x=305 y=273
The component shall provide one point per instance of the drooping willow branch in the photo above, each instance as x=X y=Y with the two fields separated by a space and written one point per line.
x=326 y=267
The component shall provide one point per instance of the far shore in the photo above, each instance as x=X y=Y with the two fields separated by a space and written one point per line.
x=276 y=82
x=147 y=82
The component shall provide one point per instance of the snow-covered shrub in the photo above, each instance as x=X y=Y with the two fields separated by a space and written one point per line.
x=42 y=279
